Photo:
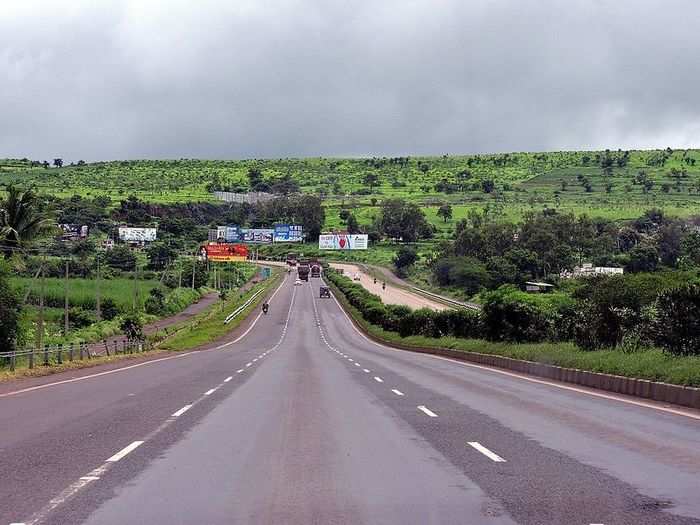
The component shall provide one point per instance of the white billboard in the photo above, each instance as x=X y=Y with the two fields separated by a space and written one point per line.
x=129 y=234
x=339 y=241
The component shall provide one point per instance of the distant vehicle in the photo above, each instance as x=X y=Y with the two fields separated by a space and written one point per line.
x=265 y=308
x=297 y=282
x=315 y=268
x=324 y=292
x=303 y=269
x=356 y=277
x=292 y=259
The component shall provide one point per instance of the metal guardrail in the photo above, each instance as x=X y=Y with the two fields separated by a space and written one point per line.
x=446 y=299
x=245 y=305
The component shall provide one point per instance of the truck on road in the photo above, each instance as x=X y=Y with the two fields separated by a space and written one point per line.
x=315 y=268
x=303 y=269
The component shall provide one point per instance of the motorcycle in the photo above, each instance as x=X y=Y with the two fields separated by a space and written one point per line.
x=265 y=308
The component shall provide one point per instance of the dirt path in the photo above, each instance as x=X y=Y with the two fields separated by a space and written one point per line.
x=392 y=294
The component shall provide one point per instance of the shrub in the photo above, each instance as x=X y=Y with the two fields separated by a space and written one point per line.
x=79 y=318
x=678 y=327
x=109 y=308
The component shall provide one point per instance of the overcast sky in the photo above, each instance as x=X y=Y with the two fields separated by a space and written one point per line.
x=102 y=79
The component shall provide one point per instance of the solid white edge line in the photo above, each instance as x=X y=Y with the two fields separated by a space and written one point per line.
x=486 y=452
x=397 y=392
x=427 y=411
x=123 y=452
x=150 y=362
x=182 y=411
x=531 y=379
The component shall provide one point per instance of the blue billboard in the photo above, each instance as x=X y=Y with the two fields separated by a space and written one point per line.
x=288 y=233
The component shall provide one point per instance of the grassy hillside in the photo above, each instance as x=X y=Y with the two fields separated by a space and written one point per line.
x=521 y=181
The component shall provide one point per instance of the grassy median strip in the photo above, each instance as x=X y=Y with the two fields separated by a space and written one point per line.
x=653 y=364
x=210 y=326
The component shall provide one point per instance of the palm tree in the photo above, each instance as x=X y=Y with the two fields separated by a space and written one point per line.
x=21 y=218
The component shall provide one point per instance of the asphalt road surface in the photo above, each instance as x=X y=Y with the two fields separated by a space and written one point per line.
x=296 y=418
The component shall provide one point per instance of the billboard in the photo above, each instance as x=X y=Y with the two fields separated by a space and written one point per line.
x=256 y=235
x=288 y=233
x=136 y=234
x=73 y=231
x=341 y=241
x=224 y=252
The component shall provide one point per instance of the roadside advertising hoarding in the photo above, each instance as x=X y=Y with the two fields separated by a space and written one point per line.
x=341 y=241
x=137 y=234
x=256 y=235
x=288 y=233
x=74 y=231
x=224 y=252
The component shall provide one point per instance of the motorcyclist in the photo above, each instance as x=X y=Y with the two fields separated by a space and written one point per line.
x=383 y=286
x=265 y=307
x=375 y=280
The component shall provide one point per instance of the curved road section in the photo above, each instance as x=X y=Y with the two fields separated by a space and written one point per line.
x=298 y=419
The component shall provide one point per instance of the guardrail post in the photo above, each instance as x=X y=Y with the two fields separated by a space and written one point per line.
x=80 y=348
x=59 y=355
x=87 y=351
x=46 y=355
x=106 y=348
x=70 y=352
x=31 y=359
x=13 y=357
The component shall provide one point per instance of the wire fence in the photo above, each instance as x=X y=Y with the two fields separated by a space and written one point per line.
x=51 y=355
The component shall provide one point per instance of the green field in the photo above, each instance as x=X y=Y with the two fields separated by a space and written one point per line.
x=522 y=182
x=82 y=292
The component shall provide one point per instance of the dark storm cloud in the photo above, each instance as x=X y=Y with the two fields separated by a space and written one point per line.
x=249 y=78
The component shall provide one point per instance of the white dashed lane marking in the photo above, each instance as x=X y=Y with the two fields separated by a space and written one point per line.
x=181 y=411
x=427 y=411
x=123 y=452
x=228 y=379
x=210 y=391
x=378 y=379
x=397 y=392
x=486 y=452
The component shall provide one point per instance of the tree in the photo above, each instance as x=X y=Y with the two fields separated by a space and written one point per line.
x=405 y=257
x=21 y=219
x=488 y=185
x=254 y=177
x=371 y=179
x=58 y=163
x=678 y=323
x=403 y=220
x=10 y=309
x=445 y=211
x=159 y=255
x=643 y=258
x=121 y=258
x=352 y=225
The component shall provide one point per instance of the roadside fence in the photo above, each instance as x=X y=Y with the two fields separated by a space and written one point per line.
x=57 y=354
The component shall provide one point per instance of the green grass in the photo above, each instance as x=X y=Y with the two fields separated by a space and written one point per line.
x=652 y=364
x=209 y=325
x=81 y=292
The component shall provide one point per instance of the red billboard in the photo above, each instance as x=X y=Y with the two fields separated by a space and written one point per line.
x=220 y=252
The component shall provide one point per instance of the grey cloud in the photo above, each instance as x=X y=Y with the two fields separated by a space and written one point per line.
x=253 y=78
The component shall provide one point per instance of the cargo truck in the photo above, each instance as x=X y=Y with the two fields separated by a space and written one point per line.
x=303 y=269
x=315 y=268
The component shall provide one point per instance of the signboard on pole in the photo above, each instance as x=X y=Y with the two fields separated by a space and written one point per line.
x=288 y=233
x=224 y=252
x=129 y=234
x=340 y=241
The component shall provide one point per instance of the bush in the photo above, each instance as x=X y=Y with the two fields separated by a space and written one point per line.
x=678 y=326
x=132 y=326
x=155 y=304
x=79 y=318
x=109 y=309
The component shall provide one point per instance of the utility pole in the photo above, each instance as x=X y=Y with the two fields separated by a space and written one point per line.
x=194 y=263
x=98 y=303
x=136 y=291
x=40 y=323
x=65 y=303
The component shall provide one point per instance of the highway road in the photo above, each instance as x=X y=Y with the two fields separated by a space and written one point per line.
x=296 y=418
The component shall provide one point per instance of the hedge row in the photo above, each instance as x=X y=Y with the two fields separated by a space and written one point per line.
x=401 y=319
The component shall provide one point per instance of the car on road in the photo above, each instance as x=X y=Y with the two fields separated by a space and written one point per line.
x=324 y=292
x=297 y=282
x=356 y=277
